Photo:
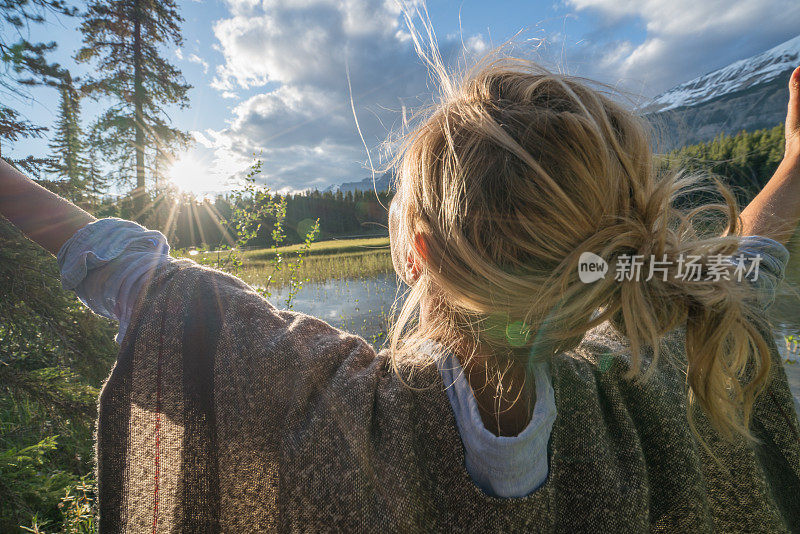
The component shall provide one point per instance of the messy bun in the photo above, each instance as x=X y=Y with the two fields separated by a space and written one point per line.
x=513 y=176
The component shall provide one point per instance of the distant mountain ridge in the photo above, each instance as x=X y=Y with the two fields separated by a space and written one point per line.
x=748 y=94
x=738 y=76
x=382 y=183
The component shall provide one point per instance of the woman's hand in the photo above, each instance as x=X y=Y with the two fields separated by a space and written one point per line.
x=43 y=216
x=793 y=117
x=775 y=211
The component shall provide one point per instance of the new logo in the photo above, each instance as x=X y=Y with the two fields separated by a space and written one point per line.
x=591 y=267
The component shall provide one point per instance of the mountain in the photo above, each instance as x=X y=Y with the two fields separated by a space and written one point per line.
x=382 y=183
x=746 y=95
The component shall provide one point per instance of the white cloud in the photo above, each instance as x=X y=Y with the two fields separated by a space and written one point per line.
x=203 y=139
x=304 y=42
x=685 y=38
x=297 y=56
x=192 y=58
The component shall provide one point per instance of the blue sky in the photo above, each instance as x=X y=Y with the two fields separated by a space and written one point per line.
x=269 y=76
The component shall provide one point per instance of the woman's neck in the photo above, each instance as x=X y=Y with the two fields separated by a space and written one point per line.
x=505 y=410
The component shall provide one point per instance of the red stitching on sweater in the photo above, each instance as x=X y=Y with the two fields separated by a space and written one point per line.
x=158 y=425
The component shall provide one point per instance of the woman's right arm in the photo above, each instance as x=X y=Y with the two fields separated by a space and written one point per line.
x=43 y=216
x=108 y=262
x=105 y=262
x=775 y=211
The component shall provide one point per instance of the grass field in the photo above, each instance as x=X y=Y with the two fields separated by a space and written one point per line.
x=318 y=268
x=326 y=260
x=331 y=247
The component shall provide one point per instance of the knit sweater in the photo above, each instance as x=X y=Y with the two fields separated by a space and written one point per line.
x=224 y=414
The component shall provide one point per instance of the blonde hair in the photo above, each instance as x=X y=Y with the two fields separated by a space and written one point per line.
x=514 y=174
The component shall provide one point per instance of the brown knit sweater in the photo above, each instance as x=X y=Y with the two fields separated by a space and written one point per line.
x=225 y=414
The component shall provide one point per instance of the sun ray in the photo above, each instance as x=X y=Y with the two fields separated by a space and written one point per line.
x=217 y=217
x=152 y=217
x=199 y=223
x=192 y=234
x=171 y=220
x=145 y=209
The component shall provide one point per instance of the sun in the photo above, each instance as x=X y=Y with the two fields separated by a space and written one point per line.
x=192 y=172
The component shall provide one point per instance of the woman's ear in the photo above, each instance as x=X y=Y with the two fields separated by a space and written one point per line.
x=417 y=254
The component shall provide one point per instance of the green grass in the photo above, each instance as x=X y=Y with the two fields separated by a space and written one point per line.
x=326 y=260
x=330 y=247
x=318 y=268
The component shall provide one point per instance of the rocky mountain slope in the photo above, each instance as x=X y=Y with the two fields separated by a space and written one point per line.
x=746 y=95
x=382 y=182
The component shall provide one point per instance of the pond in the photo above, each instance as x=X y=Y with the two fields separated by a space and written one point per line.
x=363 y=306
x=358 y=305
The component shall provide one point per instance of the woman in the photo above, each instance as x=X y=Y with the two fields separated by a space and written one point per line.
x=516 y=394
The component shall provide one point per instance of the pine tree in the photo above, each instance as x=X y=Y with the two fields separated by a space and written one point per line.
x=96 y=183
x=25 y=65
x=123 y=38
x=160 y=159
x=68 y=162
x=54 y=356
x=745 y=160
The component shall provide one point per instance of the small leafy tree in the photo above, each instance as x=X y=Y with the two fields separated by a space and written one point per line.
x=253 y=206
x=77 y=507
x=792 y=349
x=295 y=263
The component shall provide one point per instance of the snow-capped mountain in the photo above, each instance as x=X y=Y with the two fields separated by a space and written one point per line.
x=746 y=95
x=743 y=74
x=382 y=183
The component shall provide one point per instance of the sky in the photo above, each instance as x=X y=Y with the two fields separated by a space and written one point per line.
x=270 y=78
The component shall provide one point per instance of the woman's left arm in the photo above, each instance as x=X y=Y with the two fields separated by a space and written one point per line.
x=775 y=211
x=43 y=216
x=764 y=263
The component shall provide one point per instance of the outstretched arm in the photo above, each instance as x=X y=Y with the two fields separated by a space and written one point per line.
x=775 y=211
x=43 y=216
x=107 y=266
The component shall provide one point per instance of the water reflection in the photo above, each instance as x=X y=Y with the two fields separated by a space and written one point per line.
x=785 y=315
x=363 y=306
x=360 y=305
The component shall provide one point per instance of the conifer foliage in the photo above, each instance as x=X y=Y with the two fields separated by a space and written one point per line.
x=745 y=161
x=25 y=64
x=68 y=161
x=123 y=40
